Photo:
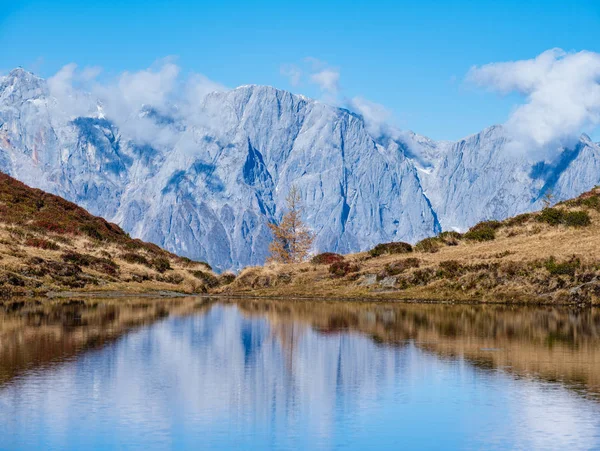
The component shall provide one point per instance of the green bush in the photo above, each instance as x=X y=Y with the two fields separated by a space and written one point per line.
x=566 y=268
x=552 y=216
x=484 y=225
x=557 y=216
x=481 y=234
x=391 y=248
x=587 y=200
x=592 y=202
x=577 y=219
x=430 y=245
x=483 y=231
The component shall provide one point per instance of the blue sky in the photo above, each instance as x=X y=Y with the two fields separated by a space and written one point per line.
x=411 y=57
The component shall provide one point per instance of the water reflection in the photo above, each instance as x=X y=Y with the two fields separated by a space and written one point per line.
x=286 y=375
x=556 y=344
x=34 y=333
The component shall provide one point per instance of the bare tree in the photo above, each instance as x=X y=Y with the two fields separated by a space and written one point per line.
x=548 y=199
x=292 y=240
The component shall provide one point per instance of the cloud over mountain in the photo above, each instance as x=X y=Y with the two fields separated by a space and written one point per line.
x=561 y=92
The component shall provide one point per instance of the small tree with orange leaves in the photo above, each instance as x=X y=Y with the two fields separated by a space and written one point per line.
x=292 y=240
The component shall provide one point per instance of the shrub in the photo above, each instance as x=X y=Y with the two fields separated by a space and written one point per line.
x=391 y=248
x=132 y=257
x=174 y=279
x=450 y=268
x=588 y=200
x=77 y=259
x=577 y=219
x=552 y=216
x=566 y=268
x=107 y=267
x=484 y=231
x=41 y=243
x=91 y=231
x=395 y=268
x=557 y=216
x=12 y=279
x=104 y=265
x=428 y=245
x=340 y=269
x=189 y=262
x=450 y=238
x=139 y=278
x=481 y=234
x=518 y=220
x=207 y=278
x=226 y=278
x=327 y=258
x=493 y=224
x=161 y=264
x=420 y=277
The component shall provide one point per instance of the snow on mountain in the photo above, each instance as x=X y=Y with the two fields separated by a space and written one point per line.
x=206 y=188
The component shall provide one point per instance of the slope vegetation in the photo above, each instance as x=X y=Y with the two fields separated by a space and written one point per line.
x=48 y=243
x=551 y=256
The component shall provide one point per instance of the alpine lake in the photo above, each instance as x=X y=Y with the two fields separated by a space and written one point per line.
x=255 y=374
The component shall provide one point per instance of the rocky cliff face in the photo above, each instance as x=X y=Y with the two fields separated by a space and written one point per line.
x=209 y=190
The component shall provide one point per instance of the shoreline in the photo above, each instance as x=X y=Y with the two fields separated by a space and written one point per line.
x=163 y=294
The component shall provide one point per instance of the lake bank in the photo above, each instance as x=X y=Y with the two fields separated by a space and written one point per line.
x=547 y=257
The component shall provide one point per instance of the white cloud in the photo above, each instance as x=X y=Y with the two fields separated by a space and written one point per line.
x=148 y=87
x=124 y=97
x=316 y=72
x=376 y=116
x=292 y=72
x=378 y=119
x=562 y=96
x=66 y=87
x=328 y=80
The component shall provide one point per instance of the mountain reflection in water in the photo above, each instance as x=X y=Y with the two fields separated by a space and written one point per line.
x=267 y=374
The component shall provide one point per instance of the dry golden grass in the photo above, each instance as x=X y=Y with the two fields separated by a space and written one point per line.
x=48 y=243
x=511 y=268
x=20 y=274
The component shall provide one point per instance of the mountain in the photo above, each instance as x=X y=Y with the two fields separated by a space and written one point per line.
x=48 y=243
x=545 y=257
x=205 y=183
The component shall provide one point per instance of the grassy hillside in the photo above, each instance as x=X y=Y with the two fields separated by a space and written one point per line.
x=48 y=243
x=551 y=256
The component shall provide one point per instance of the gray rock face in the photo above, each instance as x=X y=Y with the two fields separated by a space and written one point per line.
x=209 y=191
x=477 y=179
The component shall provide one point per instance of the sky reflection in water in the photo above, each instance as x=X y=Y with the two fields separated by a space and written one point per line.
x=275 y=375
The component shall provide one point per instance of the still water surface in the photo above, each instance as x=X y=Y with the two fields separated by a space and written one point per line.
x=259 y=375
